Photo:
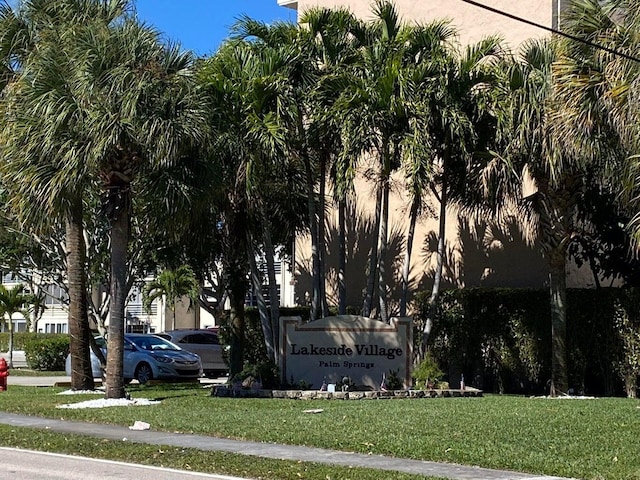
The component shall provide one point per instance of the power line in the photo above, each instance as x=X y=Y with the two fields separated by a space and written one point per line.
x=553 y=30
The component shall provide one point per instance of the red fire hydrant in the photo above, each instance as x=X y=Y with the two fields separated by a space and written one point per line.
x=4 y=373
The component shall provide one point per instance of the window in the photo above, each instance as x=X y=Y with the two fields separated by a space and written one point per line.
x=201 y=339
x=54 y=295
x=55 y=328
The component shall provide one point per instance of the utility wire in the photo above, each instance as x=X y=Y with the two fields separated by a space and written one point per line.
x=553 y=30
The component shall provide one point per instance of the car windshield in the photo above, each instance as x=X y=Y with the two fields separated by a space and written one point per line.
x=152 y=342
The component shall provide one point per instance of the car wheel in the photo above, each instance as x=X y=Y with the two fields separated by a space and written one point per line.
x=143 y=373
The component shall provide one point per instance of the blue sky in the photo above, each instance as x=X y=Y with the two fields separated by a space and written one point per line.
x=201 y=25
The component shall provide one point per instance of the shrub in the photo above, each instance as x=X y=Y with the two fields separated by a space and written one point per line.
x=265 y=372
x=47 y=351
x=428 y=374
x=500 y=339
x=393 y=380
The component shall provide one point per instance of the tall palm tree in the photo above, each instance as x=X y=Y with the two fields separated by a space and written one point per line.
x=249 y=83
x=459 y=109
x=146 y=114
x=334 y=37
x=132 y=105
x=596 y=109
x=12 y=301
x=43 y=144
x=376 y=118
x=171 y=285
x=229 y=77
x=560 y=173
x=427 y=61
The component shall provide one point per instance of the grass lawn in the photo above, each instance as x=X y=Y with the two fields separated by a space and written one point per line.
x=591 y=439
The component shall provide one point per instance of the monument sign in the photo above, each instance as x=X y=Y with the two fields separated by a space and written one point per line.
x=360 y=348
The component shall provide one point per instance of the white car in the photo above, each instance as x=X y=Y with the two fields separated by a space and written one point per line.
x=205 y=343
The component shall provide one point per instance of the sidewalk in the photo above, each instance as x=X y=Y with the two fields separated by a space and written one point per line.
x=267 y=450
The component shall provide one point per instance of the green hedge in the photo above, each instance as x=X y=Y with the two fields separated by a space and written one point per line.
x=47 y=351
x=19 y=340
x=500 y=339
x=43 y=351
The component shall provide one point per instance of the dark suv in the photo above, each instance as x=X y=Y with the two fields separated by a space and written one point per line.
x=203 y=342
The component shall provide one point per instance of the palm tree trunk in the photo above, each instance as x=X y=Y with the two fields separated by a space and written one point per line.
x=237 y=294
x=10 y=325
x=373 y=263
x=313 y=226
x=382 y=253
x=79 y=333
x=322 y=249
x=383 y=232
x=256 y=283
x=437 y=277
x=558 y=292
x=115 y=342
x=274 y=298
x=342 y=258
x=413 y=215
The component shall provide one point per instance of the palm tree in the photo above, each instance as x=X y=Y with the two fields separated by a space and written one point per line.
x=146 y=115
x=428 y=59
x=227 y=78
x=132 y=105
x=295 y=52
x=596 y=111
x=388 y=113
x=171 y=286
x=560 y=174
x=459 y=110
x=12 y=301
x=376 y=118
x=249 y=82
x=597 y=91
x=334 y=37
x=44 y=159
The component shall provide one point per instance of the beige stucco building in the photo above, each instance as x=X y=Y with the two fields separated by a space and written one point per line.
x=478 y=253
x=472 y=21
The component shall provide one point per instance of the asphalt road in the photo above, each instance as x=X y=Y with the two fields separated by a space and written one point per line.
x=29 y=465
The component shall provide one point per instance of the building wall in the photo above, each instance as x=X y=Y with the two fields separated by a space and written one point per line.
x=473 y=22
x=477 y=253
